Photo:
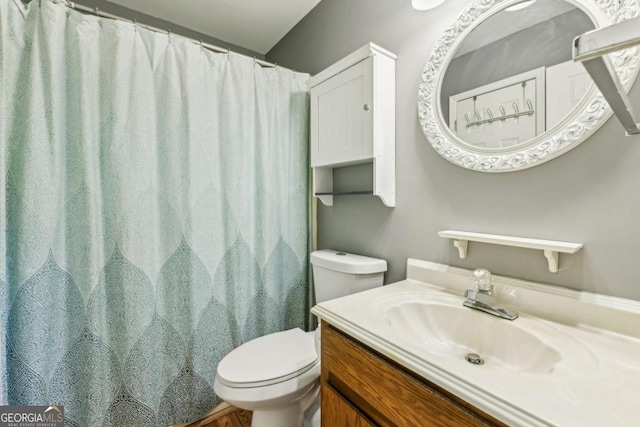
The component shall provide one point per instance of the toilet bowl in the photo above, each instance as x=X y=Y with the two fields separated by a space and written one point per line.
x=277 y=376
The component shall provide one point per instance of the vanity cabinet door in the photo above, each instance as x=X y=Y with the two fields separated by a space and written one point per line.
x=338 y=412
x=342 y=117
x=383 y=392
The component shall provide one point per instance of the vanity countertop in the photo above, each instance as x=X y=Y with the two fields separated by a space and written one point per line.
x=596 y=381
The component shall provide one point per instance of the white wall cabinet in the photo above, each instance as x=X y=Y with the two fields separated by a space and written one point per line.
x=353 y=122
x=343 y=117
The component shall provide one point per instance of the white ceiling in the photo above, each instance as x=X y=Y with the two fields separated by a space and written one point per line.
x=253 y=24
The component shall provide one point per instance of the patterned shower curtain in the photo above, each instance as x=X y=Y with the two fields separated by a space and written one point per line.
x=154 y=214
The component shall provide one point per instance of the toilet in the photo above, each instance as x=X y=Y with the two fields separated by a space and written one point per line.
x=277 y=376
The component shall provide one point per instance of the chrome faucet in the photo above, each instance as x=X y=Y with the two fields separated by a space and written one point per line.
x=482 y=298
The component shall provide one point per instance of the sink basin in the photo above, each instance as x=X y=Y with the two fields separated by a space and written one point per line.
x=447 y=328
x=569 y=359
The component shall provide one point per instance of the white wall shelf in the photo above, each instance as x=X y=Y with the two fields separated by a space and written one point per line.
x=550 y=248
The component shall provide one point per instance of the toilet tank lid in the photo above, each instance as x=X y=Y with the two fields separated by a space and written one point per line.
x=347 y=263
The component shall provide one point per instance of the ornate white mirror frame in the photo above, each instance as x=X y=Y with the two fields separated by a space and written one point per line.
x=583 y=120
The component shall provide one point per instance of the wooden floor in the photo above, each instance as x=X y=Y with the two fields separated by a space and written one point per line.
x=229 y=417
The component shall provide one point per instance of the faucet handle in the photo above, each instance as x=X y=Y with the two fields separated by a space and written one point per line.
x=482 y=280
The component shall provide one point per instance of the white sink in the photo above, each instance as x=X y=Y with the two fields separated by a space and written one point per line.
x=569 y=359
x=441 y=325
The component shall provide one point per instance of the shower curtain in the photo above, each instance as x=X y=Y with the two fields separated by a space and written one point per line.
x=154 y=214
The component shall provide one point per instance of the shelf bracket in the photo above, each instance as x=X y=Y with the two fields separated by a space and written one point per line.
x=552 y=259
x=326 y=199
x=462 y=246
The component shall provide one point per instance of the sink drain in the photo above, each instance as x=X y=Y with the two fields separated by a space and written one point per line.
x=474 y=358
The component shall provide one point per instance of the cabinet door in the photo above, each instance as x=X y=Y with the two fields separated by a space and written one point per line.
x=384 y=393
x=337 y=412
x=342 y=117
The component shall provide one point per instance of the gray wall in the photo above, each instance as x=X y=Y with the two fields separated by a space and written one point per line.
x=542 y=45
x=590 y=194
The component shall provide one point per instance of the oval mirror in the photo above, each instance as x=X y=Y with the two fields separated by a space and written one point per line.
x=500 y=91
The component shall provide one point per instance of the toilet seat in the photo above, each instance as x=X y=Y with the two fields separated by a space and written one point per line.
x=268 y=360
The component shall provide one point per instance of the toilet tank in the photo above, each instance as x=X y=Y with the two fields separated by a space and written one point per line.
x=336 y=274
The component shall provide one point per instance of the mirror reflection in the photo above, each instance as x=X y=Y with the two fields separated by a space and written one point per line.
x=513 y=77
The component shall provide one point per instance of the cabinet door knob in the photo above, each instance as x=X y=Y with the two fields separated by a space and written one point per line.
x=366 y=107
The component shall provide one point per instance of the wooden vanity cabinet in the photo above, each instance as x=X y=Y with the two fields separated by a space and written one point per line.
x=363 y=388
x=338 y=411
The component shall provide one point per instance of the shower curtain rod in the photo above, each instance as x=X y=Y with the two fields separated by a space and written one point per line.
x=212 y=47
